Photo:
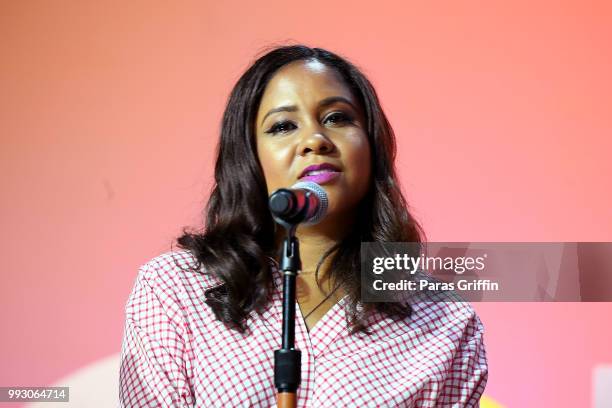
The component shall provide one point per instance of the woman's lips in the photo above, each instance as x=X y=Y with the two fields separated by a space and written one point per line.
x=320 y=173
x=321 y=177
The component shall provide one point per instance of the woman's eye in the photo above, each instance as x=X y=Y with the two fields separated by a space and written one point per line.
x=281 y=127
x=339 y=117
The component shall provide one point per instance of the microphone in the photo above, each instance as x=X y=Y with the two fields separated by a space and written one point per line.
x=303 y=203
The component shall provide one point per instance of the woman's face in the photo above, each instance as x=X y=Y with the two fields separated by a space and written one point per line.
x=308 y=117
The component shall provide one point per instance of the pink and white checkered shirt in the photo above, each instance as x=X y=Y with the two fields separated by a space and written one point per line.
x=176 y=354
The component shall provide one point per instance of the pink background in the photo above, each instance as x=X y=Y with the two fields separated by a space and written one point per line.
x=109 y=117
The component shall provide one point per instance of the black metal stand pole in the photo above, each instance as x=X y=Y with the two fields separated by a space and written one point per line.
x=287 y=360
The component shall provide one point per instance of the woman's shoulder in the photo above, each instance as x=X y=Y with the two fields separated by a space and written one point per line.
x=445 y=310
x=177 y=269
x=452 y=317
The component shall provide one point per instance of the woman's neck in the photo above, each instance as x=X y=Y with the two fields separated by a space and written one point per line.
x=312 y=249
x=316 y=240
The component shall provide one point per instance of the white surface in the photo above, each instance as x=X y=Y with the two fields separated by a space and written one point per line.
x=93 y=386
x=602 y=386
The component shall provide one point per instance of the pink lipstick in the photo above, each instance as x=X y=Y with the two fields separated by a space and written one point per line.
x=320 y=173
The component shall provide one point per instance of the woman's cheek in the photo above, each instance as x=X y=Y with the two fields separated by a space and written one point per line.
x=277 y=169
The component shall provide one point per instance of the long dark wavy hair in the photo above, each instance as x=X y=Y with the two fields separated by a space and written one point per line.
x=239 y=235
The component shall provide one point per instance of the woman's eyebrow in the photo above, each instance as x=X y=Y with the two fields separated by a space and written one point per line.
x=323 y=103
x=291 y=108
x=333 y=99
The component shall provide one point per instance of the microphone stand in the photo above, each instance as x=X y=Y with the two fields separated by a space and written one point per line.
x=287 y=360
x=288 y=210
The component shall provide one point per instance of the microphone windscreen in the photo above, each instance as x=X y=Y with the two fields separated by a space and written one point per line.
x=321 y=194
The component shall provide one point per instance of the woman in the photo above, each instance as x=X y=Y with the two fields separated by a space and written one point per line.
x=202 y=322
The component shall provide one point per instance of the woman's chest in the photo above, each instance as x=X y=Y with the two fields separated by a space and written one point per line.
x=337 y=369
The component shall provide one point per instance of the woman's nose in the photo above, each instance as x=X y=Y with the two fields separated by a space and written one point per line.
x=316 y=142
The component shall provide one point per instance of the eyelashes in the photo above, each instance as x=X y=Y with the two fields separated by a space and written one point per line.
x=340 y=117
x=281 y=127
x=336 y=118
